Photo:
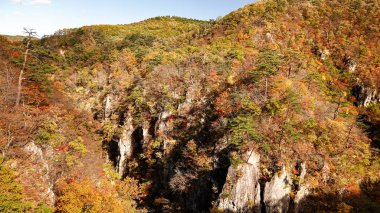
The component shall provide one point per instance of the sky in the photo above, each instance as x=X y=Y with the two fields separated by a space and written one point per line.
x=48 y=16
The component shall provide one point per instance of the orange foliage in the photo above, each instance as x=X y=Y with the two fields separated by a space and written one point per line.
x=223 y=104
x=75 y=195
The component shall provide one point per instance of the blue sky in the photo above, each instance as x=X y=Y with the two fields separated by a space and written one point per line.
x=48 y=16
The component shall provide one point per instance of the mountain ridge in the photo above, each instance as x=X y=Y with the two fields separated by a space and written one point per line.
x=174 y=107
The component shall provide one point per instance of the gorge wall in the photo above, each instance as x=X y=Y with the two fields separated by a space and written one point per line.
x=258 y=111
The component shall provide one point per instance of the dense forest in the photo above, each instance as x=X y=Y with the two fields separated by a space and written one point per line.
x=273 y=108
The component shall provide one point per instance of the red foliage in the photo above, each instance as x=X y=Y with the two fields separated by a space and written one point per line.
x=223 y=105
x=213 y=77
x=170 y=118
x=295 y=171
x=63 y=148
x=353 y=189
x=14 y=54
x=341 y=84
x=323 y=70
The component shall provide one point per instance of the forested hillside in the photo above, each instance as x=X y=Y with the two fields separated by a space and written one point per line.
x=272 y=108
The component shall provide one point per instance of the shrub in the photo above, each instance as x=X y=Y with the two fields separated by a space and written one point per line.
x=74 y=195
x=42 y=208
x=243 y=128
x=48 y=134
x=77 y=146
x=108 y=130
x=273 y=106
x=267 y=64
x=11 y=192
x=266 y=147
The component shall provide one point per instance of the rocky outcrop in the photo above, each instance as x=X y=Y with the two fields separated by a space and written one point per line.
x=241 y=192
x=108 y=106
x=324 y=54
x=277 y=193
x=303 y=189
x=163 y=123
x=41 y=169
x=366 y=95
x=146 y=137
x=350 y=64
x=125 y=145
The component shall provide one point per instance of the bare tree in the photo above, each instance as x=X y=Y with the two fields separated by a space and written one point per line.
x=30 y=34
x=10 y=140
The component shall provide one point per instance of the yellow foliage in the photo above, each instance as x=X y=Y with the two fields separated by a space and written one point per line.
x=86 y=196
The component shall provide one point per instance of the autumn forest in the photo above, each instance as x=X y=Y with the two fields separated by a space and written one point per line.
x=274 y=107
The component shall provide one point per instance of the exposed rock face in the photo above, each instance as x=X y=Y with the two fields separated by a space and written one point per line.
x=62 y=52
x=269 y=37
x=108 y=107
x=41 y=169
x=325 y=173
x=366 y=95
x=162 y=124
x=192 y=99
x=277 y=193
x=125 y=145
x=145 y=132
x=146 y=136
x=324 y=54
x=351 y=65
x=303 y=189
x=241 y=192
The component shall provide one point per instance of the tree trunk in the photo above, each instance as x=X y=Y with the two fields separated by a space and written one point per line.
x=337 y=110
x=349 y=135
x=21 y=75
x=266 y=88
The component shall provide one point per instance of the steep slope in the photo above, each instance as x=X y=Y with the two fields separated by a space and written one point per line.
x=48 y=144
x=272 y=108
